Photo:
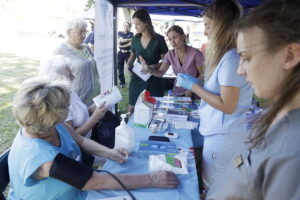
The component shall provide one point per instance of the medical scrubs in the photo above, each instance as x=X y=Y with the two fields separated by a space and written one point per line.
x=269 y=171
x=221 y=131
x=192 y=61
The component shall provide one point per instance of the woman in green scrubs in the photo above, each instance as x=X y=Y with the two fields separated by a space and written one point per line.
x=152 y=47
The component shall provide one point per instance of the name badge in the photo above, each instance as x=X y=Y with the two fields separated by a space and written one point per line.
x=238 y=161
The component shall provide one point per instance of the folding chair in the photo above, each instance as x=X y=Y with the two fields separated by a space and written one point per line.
x=4 y=175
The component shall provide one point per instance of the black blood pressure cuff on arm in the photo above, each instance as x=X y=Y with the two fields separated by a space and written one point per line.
x=70 y=171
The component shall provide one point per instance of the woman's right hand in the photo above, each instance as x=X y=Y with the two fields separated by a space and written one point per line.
x=163 y=179
x=99 y=112
x=145 y=66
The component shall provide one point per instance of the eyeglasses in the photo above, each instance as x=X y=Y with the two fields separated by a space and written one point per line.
x=81 y=32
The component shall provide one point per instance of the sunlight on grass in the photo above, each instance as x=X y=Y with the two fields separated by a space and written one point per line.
x=13 y=71
x=5 y=106
x=4 y=90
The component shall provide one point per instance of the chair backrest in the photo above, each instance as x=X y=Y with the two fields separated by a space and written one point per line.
x=4 y=174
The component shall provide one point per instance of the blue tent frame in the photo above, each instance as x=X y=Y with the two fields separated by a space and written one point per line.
x=175 y=7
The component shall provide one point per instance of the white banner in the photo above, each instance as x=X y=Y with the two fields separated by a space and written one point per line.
x=104 y=43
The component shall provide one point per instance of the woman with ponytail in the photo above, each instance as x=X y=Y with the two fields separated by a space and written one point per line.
x=225 y=95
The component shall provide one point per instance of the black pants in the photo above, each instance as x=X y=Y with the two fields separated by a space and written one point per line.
x=122 y=58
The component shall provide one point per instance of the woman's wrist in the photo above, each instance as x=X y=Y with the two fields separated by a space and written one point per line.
x=194 y=87
x=111 y=154
x=94 y=119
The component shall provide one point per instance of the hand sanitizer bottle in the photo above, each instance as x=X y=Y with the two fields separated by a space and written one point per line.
x=124 y=136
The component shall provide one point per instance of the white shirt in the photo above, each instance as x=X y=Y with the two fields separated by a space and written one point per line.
x=78 y=112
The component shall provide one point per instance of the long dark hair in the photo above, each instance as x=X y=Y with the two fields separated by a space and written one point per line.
x=280 y=22
x=144 y=16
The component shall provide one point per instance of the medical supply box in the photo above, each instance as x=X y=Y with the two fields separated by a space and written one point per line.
x=149 y=147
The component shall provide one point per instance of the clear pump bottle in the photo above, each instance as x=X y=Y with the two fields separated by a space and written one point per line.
x=124 y=137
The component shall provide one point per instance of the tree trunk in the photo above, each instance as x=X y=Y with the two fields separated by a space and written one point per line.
x=127 y=14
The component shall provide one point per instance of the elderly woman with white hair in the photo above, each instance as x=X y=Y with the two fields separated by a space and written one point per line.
x=86 y=84
x=80 y=117
x=45 y=160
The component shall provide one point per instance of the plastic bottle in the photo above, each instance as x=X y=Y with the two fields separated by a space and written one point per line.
x=124 y=137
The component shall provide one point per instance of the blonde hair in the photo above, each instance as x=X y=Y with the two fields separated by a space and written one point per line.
x=39 y=105
x=224 y=14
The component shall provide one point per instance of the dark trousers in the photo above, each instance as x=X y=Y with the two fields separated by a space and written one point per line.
x=122 y=58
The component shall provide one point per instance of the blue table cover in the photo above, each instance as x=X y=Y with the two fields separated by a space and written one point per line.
x=188 y=188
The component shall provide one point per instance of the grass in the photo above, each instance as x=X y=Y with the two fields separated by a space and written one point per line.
x=123 y=105
x=262 y=102
x=13 y=71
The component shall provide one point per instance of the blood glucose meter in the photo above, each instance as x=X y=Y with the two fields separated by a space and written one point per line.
x=171 y=135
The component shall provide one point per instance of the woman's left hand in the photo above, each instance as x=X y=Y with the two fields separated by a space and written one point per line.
x=119 y=155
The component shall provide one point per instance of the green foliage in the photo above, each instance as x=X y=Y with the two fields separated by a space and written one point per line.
x=89 y=4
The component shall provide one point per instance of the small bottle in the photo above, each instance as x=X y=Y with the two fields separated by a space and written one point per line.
x=124 y=136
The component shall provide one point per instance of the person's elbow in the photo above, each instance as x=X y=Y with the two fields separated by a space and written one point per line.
x=229 y=109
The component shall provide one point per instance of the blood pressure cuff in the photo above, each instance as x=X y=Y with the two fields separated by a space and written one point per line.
x=70 y=171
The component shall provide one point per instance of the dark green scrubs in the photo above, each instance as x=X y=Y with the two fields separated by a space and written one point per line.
x=152 y=54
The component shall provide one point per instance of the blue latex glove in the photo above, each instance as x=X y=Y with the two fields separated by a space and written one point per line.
x=186 y=81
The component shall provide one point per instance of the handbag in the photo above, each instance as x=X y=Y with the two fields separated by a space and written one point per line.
x=104 y=131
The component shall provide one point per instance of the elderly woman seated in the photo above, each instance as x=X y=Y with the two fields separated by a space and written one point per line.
x=80 y=117
x=45 y=160
x=86 y=83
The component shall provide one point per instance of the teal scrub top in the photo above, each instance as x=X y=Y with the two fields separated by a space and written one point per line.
x=152 y=54
x=27 y=155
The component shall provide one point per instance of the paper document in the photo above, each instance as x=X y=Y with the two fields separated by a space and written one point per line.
x=111 y=97
x=137 y=68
